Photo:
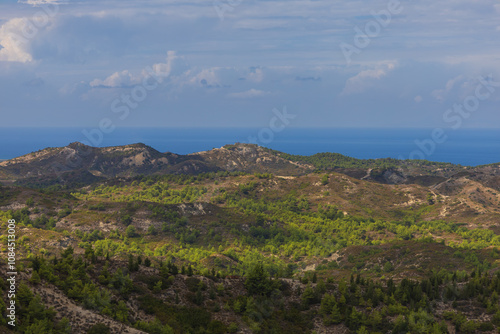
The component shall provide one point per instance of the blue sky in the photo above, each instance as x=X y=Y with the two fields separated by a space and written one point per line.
x=229 y=63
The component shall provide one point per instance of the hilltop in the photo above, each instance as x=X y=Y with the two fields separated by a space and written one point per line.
x=81 y=164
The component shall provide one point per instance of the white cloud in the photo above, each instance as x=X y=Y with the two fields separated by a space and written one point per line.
x=256 y=75
x=249 y=94
x=366 y=79
x=206 y=77
x=418 y=99
x=39 y=2
x=165 y=69
x=265 y=45
x=127 y=79
x=79 y=88
x=15 y=47
x=118 y=79
x=441 y=94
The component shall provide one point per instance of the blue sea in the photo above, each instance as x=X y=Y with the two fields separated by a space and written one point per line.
x=469 y=147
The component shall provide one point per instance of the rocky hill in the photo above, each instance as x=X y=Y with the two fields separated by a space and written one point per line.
x=78 y=165
x=81 y=164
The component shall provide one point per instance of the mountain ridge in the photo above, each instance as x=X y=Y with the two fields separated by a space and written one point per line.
x=78 y=163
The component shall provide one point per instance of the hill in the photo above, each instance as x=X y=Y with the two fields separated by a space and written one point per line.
x=81 y=164
x=242 y=239
x=77 y=164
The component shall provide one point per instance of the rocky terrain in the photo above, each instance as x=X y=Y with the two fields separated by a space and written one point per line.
x=78 y=163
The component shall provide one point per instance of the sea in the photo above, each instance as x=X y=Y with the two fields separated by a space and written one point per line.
x=468 y=147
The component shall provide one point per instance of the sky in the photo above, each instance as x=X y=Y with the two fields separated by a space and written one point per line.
x=233 y=63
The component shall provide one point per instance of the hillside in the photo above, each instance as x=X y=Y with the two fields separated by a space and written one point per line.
x=240 y=240
x=81 y=164
x=393 y=171
x=77 y=164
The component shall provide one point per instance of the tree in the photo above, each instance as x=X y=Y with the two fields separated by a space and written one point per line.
x=152 y=230
x=30 y=202
x=154 y=327
x=257 y=282
x=335 y=316
x=362 y=330
x=130 y=232
x=430 y=199
x=132 y=265
x=24 y=294
x=400 y=325
x=64 y=326
x=38 y=327
x=126 y=220
x=327 y=304
x=172 y=268
x=308 y=296
x=388 y=267
x=157 y=287
x=35 y=278
x=67 y=252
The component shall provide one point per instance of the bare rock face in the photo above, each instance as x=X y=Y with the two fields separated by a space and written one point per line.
x=193 y=209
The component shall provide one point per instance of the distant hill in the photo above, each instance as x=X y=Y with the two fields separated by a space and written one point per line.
x=78 y=164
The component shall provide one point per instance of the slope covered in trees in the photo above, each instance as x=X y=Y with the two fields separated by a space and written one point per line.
x=232 y=252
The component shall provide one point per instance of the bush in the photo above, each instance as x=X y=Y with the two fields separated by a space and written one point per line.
x=130 y=232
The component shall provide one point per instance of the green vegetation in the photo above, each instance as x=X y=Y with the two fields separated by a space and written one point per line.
x=325 y=161
x=221 y=252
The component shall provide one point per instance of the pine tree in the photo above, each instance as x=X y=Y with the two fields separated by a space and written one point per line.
x=308 y=296
x=257 y=282
x=335 y=316
x=130 y=263
x=173 y=269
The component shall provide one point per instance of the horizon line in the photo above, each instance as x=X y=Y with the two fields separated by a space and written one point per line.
x=253 y=127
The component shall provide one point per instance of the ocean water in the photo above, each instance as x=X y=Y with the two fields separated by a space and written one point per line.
x=469 y=147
